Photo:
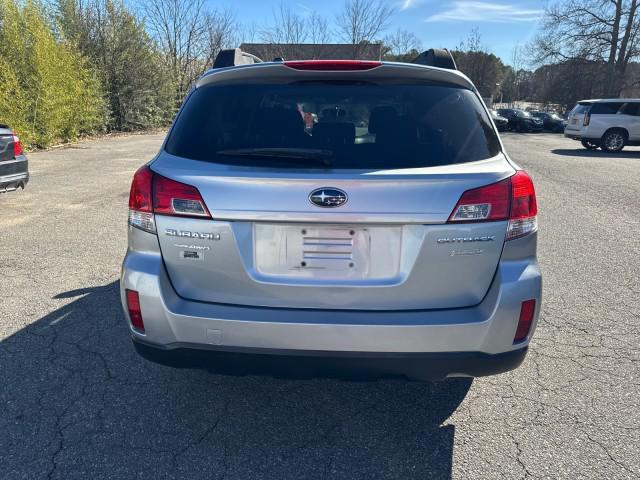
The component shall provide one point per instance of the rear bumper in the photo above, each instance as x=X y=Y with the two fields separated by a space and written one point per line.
x=579 y=137
x=14 y=174
x=349 y=365
x=451 y=340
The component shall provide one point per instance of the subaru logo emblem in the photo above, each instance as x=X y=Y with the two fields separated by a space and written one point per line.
x=328 y=197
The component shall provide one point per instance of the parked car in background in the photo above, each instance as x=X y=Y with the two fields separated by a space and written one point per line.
x=610 y=124
x=255 y=237
x=551 y=122
x=14 y=167
x=501 y=122
x=521 y=120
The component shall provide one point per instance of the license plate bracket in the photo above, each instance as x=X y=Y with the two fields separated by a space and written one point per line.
x=330 y=252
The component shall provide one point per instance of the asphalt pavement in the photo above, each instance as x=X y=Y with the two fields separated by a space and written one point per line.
x=77 y=402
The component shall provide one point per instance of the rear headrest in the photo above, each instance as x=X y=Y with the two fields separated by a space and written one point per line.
x=276 y=118
x=277 y=123
x=382 y=118
x=334 y=133
x=333 y=113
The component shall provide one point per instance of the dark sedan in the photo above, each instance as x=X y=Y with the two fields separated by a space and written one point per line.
x=14 y=167
x=501 y=122
x=551 y=121
x=520 y=120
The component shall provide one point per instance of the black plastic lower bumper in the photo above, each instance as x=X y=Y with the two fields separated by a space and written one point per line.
x=351 y=365
x=13 y=174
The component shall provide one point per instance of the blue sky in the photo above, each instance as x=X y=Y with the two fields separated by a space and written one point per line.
x=503 y=24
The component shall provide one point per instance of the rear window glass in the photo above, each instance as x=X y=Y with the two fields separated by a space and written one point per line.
x=609 y=108
x=581 y=108
x=333 y=125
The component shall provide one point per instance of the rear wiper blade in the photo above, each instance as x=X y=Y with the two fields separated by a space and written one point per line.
x=293 y=154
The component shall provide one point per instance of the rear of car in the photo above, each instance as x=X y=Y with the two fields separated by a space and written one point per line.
x=521 y=120
x=610 y=124
x=14 y=167
x=551 y=121
x=500 y=122
x=390 y=234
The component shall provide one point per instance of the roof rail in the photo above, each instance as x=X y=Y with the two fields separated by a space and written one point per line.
x=233 y=57
x=436 y=57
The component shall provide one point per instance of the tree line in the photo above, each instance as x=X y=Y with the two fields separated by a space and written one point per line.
x=74 y=67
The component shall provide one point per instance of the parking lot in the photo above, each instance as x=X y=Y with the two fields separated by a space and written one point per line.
x=77 y=402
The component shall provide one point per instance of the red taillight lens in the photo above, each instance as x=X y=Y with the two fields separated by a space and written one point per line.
x=524 y=208
x=523 y=197
x=17 y=146
x=154 y=194
x=140 y=201
x=513 y=198
x=487 y=203
x=177 y=199
x=133 y=306
x=140 y=193
x=527 y=309
x=333 y=65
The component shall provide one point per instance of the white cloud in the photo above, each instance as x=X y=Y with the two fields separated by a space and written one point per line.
x=479 y=11
x=408 y=4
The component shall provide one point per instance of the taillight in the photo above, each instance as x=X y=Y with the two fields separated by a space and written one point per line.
x=140 y=201
x=524 y=208
x=17 y=146
x=135 y=314
x=333 y=65
x=177 y=199
x=488 y=203
x=527 y=309
x=154 y=194
x=587 y=119
x=512 y=199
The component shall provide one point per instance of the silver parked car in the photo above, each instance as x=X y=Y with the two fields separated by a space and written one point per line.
x=390 y=235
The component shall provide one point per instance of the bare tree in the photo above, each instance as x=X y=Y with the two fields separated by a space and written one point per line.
x=189 y=34
x=221 y=32
x=474 y=60
x=402 y=43
x=318 y=27
x=473 y=43
x=604 y=31
x=285 y=32
x=287 y=27
x=289 y=30
x=179 y=28
x=362 y=22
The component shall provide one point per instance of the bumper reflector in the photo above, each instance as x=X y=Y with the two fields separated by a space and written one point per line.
x=527 y=309
x=133 y=305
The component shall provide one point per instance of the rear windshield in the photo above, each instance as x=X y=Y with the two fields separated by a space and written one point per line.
x=333 y=125
x=581 y=108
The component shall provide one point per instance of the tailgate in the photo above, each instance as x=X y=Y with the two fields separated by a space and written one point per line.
x=387 y=248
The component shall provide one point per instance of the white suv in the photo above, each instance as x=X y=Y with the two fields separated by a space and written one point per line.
x=609 y=124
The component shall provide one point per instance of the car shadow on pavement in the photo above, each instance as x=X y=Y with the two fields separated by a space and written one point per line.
x=77 y=402
x=583 y=152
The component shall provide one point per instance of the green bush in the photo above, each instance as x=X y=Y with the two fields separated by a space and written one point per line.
x=48 y=92
x=134 y=76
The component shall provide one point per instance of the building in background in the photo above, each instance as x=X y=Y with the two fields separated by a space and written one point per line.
x=314 y=51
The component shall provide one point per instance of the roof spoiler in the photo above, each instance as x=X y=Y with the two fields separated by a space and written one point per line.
x=436 y=57
x=233 y=57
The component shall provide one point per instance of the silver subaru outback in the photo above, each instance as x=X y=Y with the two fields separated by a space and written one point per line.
x=333 y=217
